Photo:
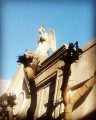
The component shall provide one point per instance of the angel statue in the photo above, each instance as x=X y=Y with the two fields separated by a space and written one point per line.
x=46 y=41
x=32 y=60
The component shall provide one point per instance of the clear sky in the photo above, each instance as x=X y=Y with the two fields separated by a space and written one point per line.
x=71 y=20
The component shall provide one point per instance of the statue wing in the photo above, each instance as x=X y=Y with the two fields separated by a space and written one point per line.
x=52 y=39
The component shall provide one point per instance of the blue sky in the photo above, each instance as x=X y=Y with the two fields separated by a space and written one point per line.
x=71 y=20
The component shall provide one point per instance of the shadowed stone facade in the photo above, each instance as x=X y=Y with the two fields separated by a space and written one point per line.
x=45 y=102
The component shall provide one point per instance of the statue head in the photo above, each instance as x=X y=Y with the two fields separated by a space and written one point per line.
x=42 y=29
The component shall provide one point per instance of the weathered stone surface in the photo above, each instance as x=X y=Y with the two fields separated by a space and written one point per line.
x=82 y=70
x=85 y=67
